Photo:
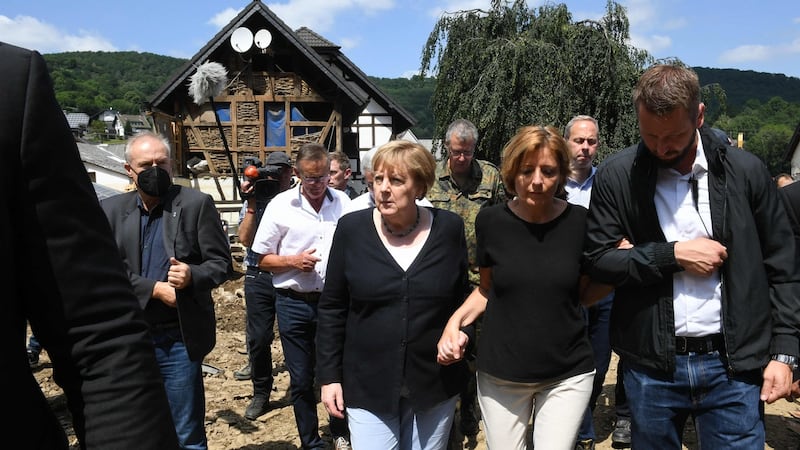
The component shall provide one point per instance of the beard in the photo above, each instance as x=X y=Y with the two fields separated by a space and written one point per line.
x=677 y=160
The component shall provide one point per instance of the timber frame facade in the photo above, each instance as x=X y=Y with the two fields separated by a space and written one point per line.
x=299 y=89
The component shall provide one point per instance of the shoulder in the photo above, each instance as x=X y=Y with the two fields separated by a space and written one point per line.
x=487 y=167
x=118 y=201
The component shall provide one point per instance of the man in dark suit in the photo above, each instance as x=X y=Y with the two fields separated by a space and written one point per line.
x=172 y=242
x=66 y=278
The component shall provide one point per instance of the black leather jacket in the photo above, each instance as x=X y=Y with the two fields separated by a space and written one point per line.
x=760 y=283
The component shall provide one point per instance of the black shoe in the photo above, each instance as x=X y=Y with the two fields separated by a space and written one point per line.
x=33 y=358
x=258 y=407
x=245 y=373
x=621 y=436
x=585 y=444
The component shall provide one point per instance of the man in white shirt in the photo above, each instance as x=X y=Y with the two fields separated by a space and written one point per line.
x=294 y=237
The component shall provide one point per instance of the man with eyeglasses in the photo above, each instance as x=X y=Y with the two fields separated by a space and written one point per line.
x=464 y=185
x=582 y=134
x=294 y=237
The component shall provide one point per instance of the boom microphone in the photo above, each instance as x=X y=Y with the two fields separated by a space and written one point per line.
x=208 y=82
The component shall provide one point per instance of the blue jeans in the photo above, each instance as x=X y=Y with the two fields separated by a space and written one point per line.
x=297 y=327
x=259 y=294
x=183 y=381
x=597 y=319
x=404 y=429
x=726 y=410
x=33 y=345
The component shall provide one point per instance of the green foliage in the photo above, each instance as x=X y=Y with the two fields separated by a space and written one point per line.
x=414 y=95
x=511 y=66
x=767 y=129
x=91 y=82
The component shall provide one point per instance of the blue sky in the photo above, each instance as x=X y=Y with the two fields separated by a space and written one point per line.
x=385 y=37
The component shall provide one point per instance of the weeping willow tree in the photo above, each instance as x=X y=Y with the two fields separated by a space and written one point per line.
x=512 y=66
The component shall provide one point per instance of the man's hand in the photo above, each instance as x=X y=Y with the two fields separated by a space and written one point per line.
x=777 y=382
x=333 y=399
x=166 y=293
x=306 y=261
x=700 y=256
x=179 y=275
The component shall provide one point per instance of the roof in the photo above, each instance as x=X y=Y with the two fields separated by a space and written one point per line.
x=109 y=157
x=77 y=120
x=103 y=192
x=256 y=15
x=136 y=120
x=352 y=74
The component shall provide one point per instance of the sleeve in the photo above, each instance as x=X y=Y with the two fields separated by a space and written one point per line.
x=780 y=262
x=611 y=218
x=215 y=258
x=81 y=306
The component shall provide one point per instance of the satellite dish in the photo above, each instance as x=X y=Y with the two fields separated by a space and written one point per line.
x=263 y=38
x=241 y=39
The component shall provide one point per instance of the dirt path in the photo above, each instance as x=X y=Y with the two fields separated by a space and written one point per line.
x=226 y=398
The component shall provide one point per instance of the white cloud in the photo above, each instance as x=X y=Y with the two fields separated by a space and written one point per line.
x=652 y=43
x=29 y=32
x=320 y=15
x=751 y=53
x=349 y=43
x=224 y=17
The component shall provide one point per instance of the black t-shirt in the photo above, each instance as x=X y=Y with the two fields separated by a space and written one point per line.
x=533 y=328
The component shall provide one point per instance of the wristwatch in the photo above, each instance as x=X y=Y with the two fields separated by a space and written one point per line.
x=786 y=359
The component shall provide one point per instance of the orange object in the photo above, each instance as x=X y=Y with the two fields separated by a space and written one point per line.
x=251 y=172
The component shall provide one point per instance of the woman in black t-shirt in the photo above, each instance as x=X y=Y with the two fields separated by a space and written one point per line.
x=534 y=357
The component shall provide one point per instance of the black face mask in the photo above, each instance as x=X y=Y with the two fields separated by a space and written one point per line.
x=154 y=181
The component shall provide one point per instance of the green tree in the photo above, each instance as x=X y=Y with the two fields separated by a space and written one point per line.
x=512 y=66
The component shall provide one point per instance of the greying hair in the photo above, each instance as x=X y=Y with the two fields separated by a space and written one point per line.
x=666 y=87
x=463 y=129
x=142 y=134
x=580 y=118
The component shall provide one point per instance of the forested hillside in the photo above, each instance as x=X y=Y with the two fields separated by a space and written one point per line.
x=742 y=86
x=91 y=82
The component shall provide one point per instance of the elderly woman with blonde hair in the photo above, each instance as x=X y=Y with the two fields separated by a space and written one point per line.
x=396 y=273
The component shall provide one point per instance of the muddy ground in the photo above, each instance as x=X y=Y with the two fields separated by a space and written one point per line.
x=227 y=398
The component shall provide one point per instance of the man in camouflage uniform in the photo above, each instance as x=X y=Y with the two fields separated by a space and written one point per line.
x=464 y=185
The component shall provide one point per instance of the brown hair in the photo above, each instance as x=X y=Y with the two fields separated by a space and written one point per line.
x=664 y=87
x=534 y=139
x=416 y=159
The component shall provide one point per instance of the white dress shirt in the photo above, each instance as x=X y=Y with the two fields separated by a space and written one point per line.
x=696 y=299
x=291 y=225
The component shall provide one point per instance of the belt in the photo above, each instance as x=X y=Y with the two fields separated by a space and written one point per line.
x=165 y=325
x=304 y=296
x=705 y=344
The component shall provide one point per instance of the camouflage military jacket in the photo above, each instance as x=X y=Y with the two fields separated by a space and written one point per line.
x=484 y=188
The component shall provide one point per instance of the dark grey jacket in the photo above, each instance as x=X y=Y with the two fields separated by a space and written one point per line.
x=760 y=283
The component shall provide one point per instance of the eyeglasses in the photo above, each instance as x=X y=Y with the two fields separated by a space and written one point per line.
x=315 y=180
x=465 y=153
x=581 y=140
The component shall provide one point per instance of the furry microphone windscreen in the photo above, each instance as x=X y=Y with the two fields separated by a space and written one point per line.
x=208 y=82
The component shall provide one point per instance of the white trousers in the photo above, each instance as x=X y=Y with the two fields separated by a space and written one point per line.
x=557 y=409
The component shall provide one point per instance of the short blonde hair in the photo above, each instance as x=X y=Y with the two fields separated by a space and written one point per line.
x=412 y=157
x=534 y=139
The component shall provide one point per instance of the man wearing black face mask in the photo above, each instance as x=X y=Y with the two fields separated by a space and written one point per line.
x=172 y=242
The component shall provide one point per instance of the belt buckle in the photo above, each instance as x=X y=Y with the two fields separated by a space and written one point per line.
x=681 y=344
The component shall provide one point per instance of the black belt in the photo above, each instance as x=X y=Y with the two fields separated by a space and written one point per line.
x=304 y=296
x=705 y=344
x=165 y=325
